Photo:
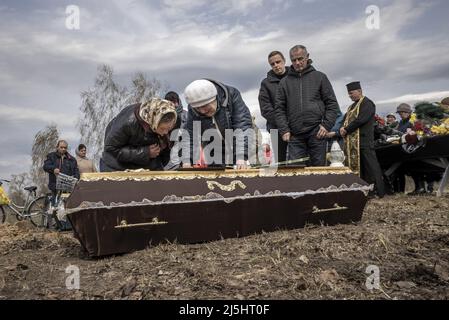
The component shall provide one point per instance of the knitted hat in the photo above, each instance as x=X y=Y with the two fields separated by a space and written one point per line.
x=200 y=92
x=403 y=107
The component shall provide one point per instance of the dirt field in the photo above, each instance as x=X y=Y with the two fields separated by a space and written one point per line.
x=407 y=238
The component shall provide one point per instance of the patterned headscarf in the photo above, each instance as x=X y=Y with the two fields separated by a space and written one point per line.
x=152 y=111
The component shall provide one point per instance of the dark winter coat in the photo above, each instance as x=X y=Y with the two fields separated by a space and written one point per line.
x=232 y=113
x=304 y=101
x=364 y=122
x=127 y=144
x=181 y=116
x=403 y=125
x=267 y=97
x=66 y=165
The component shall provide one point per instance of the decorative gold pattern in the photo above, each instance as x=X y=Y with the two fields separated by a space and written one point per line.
x=146 y=175
x=352 y=140
x=231 y=187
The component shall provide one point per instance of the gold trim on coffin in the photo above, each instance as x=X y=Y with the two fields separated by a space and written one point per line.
x=231 y=187
x=146 y=175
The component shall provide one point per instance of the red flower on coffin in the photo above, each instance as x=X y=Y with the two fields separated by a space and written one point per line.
x=418 y=126
x=379 y=120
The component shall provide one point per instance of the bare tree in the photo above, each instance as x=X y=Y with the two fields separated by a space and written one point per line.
x=101 y=103
x=144 y=89
x=16 y=192
x=44 y=143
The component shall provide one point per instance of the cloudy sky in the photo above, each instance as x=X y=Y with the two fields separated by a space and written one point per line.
x=45 y=65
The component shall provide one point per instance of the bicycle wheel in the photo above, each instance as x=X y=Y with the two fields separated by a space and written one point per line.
x=37 y=211
x=2 y=215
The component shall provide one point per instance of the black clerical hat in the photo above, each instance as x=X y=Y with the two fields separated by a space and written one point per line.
x=353 y=86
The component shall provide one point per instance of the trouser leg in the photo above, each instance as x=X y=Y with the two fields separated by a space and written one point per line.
x=279 y=150
x=371 y=171
x=297 y=148
x=317 y=150
x=419 y=182
x=282 y=150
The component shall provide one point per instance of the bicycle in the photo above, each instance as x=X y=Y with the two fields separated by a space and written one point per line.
x=32 y=208
x=53 y=215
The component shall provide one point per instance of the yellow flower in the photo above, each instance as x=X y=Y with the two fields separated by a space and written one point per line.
x=413 y=118
x=440 y=130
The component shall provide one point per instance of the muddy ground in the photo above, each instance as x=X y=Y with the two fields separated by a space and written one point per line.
x=407 y=238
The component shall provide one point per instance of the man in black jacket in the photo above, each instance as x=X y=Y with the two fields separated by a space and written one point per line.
x=58 y=162
x=216 y=108
x=359 y=120
x=267 y=100
x=306 y=108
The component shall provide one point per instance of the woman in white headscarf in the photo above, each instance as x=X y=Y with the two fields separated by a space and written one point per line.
x=138 y=137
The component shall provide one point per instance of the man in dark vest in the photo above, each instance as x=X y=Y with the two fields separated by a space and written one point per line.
x=358 y=131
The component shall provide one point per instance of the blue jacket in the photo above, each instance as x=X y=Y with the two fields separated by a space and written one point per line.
x=66 y=164
x=338 y=124
x=403 y=125
x=232 y=113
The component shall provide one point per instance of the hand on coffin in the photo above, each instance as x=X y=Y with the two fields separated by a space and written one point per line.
x=241 y=165
x=411 y=132
x=343 y=132
x=56 y=171
x=154 y=151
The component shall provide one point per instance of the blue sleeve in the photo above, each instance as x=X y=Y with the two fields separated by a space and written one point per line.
x=338 y=124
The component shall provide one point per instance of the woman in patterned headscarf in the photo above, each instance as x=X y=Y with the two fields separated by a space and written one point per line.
x=138 y=137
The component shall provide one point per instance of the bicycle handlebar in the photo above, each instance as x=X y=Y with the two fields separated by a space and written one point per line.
x=4 y=180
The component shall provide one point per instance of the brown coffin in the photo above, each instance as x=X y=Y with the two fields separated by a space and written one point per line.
x=122 y=212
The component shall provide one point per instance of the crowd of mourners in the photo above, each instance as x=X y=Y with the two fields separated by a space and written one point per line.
x=298 y=101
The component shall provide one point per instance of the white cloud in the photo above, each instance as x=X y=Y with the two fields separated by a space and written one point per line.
x=19 y=114
x=14 y=164
x=251 y=99
x=228 y=7
x=410 y=98
x=239 y=6
x=181 y=40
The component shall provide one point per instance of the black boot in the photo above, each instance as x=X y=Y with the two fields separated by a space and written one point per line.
x=430 y=187
x=419 y=186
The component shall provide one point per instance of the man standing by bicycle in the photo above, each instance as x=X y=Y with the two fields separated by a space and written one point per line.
x=58 y=162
